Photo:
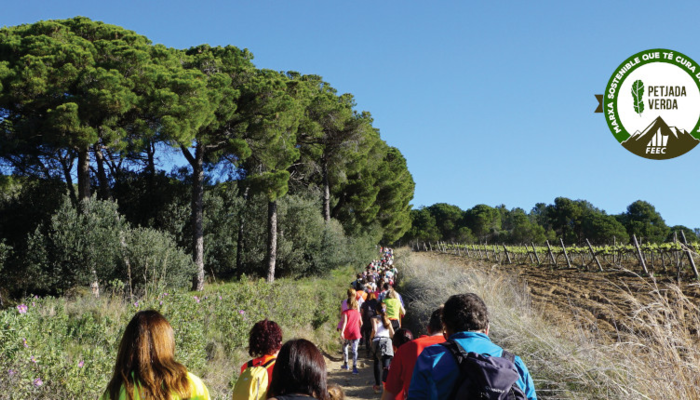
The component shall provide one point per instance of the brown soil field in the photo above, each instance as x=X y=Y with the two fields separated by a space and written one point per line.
x=600 y=302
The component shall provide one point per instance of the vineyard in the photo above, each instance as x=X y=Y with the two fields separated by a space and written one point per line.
x=673 y=259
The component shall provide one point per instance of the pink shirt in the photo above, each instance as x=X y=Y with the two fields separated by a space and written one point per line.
x=352 y=329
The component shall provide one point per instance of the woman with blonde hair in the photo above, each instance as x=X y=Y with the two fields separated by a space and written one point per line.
x=146 y=367
x=394 y=308
x=350 y=333
x=351 y=294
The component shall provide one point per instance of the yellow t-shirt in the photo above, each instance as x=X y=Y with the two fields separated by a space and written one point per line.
x=199 y=391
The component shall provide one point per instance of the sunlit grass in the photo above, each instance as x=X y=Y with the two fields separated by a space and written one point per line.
x=655 y=357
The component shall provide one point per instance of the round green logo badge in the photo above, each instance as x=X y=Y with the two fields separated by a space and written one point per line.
x=652 y=104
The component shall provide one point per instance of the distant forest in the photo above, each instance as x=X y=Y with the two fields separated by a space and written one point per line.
x=572 y=220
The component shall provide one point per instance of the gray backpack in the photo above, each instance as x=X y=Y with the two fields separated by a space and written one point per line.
x=484 y=377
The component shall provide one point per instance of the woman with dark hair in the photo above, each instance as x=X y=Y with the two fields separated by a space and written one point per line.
x=300 y=373
x=402 y=336
x=264 y=342
x=382 y=332
x=146 y=367
x=368 y=310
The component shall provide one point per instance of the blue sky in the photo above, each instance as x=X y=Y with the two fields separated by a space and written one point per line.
x=490 y=103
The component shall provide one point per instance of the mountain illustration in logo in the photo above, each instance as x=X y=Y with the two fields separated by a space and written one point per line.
x=660 y=142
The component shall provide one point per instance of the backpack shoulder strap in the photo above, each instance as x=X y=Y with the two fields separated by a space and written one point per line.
x=269 y=362
x=250 y=363
x=460 y=357
x=456 y=350
x=508 y=356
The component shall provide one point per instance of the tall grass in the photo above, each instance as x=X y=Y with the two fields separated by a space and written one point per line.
x=655 y=357
x=65 y=348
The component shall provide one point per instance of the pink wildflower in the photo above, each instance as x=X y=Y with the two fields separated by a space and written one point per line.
x=81 y=363
x=38 y=382
x=22 y=308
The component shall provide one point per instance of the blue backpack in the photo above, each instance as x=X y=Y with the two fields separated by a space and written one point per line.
x=482 y=377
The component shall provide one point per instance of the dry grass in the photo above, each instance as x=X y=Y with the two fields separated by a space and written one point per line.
x=656 y=357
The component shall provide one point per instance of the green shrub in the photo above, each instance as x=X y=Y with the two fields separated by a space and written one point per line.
x=155 y=261
x=78 y=246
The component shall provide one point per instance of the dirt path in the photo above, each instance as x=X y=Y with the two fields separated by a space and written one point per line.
x=355 y=386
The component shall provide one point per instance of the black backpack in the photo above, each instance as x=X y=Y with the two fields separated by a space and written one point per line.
x=481 y=377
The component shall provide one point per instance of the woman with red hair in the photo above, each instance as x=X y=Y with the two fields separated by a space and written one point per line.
x=146 y=367
x=264 y=342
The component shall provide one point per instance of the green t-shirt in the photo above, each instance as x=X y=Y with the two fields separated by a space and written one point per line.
x=199 y=391
x=393 y=308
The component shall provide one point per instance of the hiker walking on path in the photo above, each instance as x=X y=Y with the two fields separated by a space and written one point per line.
x=350 y=333
x=382 y=332
x=351 y=293
x=401 y=369
x=394 y=308
x=300 y=373
x=264 y=342
x=466 y=325
x=146 y=367
x=368 y=310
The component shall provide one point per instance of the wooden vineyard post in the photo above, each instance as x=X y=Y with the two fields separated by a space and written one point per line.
x=459 y=252
x=639 y=253
x=466 y=248
x=486 y=251
x=495 y=253
x=554 y=261
x=690 y=256
x=481 y=257
x=507 y=255
x=532 y=259
x=431 y=246
x=534 y=250
x=566 y=255
x=600 y=267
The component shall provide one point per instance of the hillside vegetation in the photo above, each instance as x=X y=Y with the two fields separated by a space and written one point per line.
x=66 y=347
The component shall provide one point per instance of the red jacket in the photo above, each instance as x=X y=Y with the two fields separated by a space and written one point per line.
x=401 y=368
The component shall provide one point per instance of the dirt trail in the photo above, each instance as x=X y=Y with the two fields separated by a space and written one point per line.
x=355 y=386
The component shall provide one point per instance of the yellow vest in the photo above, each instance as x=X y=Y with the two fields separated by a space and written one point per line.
x=199 y=391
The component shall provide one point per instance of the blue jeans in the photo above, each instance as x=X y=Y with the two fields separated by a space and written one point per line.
x=354 y=343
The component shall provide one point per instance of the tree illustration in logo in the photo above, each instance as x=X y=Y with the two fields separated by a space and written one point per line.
x=637 y=94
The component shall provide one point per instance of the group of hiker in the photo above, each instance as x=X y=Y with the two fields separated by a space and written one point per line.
x=454 y=360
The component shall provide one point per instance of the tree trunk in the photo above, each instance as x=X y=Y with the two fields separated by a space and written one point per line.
x=151 y=162
x=271 y=240
x=83 y=174
x=239 y=244
x=67 y=166
x=104 y=191
x=198 y=217
x=326 y=192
